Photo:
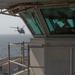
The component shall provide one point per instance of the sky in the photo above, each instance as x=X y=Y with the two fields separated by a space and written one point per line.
x=7 y=21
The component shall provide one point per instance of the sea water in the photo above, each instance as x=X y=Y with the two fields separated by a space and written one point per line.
x=14 y=50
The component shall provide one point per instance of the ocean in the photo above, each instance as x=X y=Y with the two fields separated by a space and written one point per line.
x=14 y=50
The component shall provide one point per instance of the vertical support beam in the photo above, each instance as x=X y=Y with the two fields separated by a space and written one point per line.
x=8 y=58
x=71 y=61
x=28 y=59
x=23 y=54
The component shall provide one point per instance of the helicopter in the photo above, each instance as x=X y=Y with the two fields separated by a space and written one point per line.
x=20 y=30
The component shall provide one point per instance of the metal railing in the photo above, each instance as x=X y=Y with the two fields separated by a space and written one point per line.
x=27 y=47
x=24 y=46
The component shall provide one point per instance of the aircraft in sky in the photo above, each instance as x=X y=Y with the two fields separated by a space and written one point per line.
x=20 y=30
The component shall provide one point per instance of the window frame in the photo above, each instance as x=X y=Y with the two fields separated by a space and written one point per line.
x=30 y=28
x=57 y=6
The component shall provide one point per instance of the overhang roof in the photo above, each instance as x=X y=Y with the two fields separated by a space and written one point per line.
x=8 y=3
x=4 y=4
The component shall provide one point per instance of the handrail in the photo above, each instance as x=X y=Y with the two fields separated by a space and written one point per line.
x=36 y=66
x=22 y=45
x=18 y=63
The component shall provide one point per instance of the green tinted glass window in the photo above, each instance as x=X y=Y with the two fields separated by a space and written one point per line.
x=60 y=20
x=33 y=22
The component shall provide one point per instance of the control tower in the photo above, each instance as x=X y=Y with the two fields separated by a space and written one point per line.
x=52 y=24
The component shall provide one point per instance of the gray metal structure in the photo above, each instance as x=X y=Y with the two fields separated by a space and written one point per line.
x=52 y=50
x=53 y=56
x=8 y=3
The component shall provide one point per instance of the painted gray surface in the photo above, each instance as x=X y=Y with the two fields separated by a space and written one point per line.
x=37 y=60
x=57 y=61
x=73 y=61
x=37 y=57
x=57 y=57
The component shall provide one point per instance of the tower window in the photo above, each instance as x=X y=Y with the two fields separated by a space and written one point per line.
x=60 y=20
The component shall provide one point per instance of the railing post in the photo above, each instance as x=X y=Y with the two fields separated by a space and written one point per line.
x=8 y=58
x=28 y=59
x=22 y=51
